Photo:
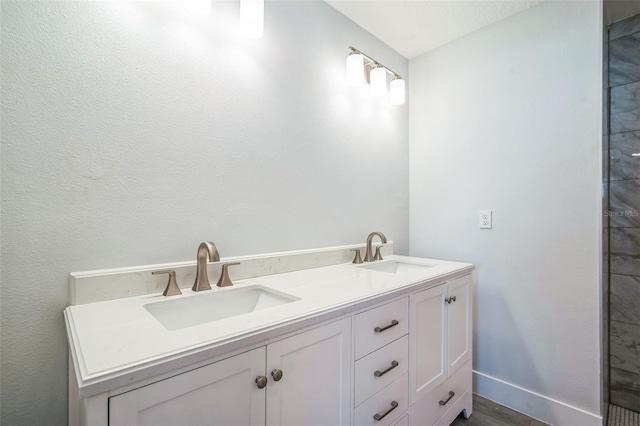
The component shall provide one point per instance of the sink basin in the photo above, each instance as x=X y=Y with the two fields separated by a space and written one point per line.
x=216 y=305
x=395 y=266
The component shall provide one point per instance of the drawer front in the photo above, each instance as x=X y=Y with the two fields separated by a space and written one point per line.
x=380 y=368
x=403 y=421
x=463 y=403
x=382 y=404
x=381 y=326
x=428 y=410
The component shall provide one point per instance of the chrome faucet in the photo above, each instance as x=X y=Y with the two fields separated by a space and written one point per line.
x=369 y=256
x=210 y=251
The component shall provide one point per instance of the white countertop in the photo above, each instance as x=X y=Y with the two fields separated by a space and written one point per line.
x=120 y=339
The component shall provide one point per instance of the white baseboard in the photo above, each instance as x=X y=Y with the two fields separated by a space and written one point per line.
x=532 y=404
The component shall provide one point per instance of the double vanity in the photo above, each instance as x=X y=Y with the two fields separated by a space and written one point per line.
x=299 y=338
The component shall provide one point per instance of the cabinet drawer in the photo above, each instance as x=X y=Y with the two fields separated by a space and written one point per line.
x=389 y=362
x=463 y=403
x=403 y=421
x=429 y=409
x=382 y=404
x=380 y=326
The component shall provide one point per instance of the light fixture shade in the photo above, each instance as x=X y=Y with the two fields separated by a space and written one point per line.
x=252 y=18
x=355 y=69
x=198 y=7
x=378 y=81
x=397 y=91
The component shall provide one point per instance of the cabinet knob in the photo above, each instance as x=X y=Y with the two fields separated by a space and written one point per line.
x=261 y=381
x=450 y=299
x=276 y=374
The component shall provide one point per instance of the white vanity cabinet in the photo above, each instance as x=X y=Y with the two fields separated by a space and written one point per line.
x=312 y=390
x=222 y=393
x=401 y=357
x=440 y=352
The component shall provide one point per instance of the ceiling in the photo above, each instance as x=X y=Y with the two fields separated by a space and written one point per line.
x=615 y=10
x=413 y=27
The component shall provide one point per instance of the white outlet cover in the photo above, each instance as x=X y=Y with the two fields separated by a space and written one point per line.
x=485 y=219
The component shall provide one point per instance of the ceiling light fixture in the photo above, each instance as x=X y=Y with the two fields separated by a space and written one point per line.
x=362 y=67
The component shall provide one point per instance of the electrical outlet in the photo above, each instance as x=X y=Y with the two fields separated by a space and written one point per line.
x=485 y=219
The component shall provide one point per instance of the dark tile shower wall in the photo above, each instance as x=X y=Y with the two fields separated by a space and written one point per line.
x=623 y=220
x=605 y=223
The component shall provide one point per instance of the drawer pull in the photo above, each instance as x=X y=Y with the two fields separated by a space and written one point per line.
x=451 y=395
x=379 y=373
x=379 y=417
x=381 y=329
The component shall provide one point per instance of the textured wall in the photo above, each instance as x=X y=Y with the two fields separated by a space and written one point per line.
x=624 y=206
x=509 y=119
x=133 y=131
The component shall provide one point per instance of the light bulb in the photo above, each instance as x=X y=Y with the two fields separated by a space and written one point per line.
x=396 y=91
x=355 y=69
x=378 y=81
x=252 y=18
x=198 y=7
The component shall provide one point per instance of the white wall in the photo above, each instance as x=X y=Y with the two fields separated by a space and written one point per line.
x=132 y=131
x=509 y=119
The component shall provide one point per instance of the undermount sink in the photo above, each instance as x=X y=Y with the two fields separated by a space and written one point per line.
x=216 y=305
x=395 y=266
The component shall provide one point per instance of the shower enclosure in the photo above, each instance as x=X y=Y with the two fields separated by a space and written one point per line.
x=621 y=227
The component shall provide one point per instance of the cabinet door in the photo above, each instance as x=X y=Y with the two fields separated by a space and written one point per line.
x=316 y=374
x=459 y=323
x=427 y=341
x=223 y=393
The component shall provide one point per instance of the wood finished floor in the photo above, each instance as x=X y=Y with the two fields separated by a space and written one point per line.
x=488 y=413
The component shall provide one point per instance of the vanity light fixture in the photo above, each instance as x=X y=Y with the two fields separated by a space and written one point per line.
x=251 y=15
x=378 y=80
x=362 y=68
x=396 y=91
x=198 y=7
x=252 y=18
x=355 y=69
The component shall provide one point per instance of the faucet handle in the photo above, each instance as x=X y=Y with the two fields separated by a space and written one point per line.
x=225 y=280
x=378 y=256
x=172 y=288
x=358 y=259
